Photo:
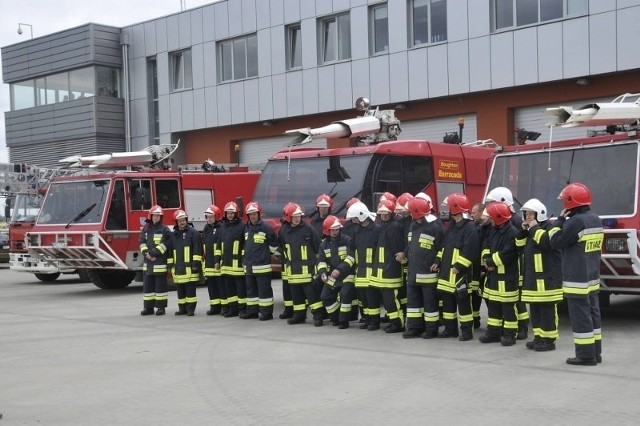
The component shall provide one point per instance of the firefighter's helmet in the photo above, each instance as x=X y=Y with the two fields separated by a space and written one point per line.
x=418 y=207
x=155 y=210
x=215 y=211
x=389 y=196
x=424 y=197
x=499 y=212
x=535 y=205
x=351 y=202
x=457 y=203
x=575 y=195
x=401 y=203
x=386 y=206
x=290 y=210
x=324 y=200
x=329 y=223
x=500 y=194
x=231 y=206
x=180 y=214
x=360 y=211
x=252 y=207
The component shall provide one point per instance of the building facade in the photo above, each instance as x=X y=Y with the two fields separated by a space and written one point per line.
x=227 y=79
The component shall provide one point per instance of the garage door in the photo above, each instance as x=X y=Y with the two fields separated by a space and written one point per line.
x=433 y=129
x=535 y=119
x=256 y=152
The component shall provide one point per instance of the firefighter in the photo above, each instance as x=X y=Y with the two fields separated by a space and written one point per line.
x=153 y=240
x=286 y=288
x=578 y=233
x=364 y=246
x=300 y=243
x=260 y=242
x=335 y=269
x=185 y=262
x=500 y=258
x=483 y=225
x=324 y=203
x=231 y=248
x=542 y=275
x=403 y=216
x=424 y=241
x=387 y=279
x=349 y=229
x=504 y=195
x=455 y=265
x=218 y=304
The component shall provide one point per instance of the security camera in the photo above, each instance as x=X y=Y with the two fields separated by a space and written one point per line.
x=19 y=30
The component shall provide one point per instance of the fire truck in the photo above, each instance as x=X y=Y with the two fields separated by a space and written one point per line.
x=606 y=161
x=379 y=163
x=91 y=220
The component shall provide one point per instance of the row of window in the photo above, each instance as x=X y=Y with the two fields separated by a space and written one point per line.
x=517 y=13
x=65 y=86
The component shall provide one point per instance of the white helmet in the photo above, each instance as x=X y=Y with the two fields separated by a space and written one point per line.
x=424 y=197
x=535 y=205
x=501 y=194
x=360 y=211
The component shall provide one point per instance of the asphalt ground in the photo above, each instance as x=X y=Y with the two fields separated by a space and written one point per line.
x=73 y=354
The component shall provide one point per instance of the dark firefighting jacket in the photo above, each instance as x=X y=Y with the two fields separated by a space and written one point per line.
x=388 y=272
x=300 y=251
x=186 y=255
x=231 y=247
x=336 y=253
x=364 y=247
x=259 y=242
x=424 y=241
x=153 y=239
x=459 y=249
x=500 y=252
x=211 y=240
x=580 y=238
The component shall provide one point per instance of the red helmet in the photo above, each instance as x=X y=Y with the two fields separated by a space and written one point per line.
x=418 y=207
x=457 y=203
x=389 y=196
x=215 y=211
x=386 y=206
x=324 y=200
x=575 y=195
x=351 y=202
x=180 y=214
x=231 y=207
x=155 y=210
x=329 y=223
x=290 y=210
x=252 y=207
x=401 y=202
x=499 y=212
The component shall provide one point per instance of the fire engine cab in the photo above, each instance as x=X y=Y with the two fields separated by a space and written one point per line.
x=379 y=163
x=91 y=220
x=607 y=162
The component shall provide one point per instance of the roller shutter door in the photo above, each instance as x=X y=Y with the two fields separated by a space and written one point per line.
x=535 y=119
x=256 y=152
x=433 y=129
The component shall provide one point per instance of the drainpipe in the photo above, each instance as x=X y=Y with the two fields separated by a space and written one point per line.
x=124 y=42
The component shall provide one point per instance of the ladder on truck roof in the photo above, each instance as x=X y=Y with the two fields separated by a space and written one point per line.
x=622 y=111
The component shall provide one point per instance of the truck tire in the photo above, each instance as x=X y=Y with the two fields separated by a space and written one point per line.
x=48 y=278
x=84 y=275
x=110 y=280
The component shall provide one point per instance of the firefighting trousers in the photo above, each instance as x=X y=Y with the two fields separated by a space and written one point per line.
x=329 y=297
x=476 y=303
x=236 y=292
x=454 y=305
x=154 y=291
x=544 y=320
x=361 y=294
x=187 y=299
x=522 y=314
x=423 y=312
x=389 y=299
x=501 y=319
x=347 y=295
x=259 y=294
x=217 y=292
x=584 y=313
x=303 y=294
x=286 y=294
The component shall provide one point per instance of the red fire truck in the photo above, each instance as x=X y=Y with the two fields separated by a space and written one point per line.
x=379 y=164
x=91 y=221
x=607 y=162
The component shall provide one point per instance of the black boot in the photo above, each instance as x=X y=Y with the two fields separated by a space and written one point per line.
x=287 y=313
x=411 y=334
x=160 y=311
x=532 y=344
x=343 y=325
x=191 y=309
x=489 y=338
x=299 y=317
x=334 y=318
x=581 y=361
x=394 y=327
x=374 y=323
x=465 y=334
x=214 y=310
x=509 y=339
x=476 y=323
x=523 y=332
x=247 y=315
x=265 y=316
x=146 y=311
x=182 y=309
x=544 y=345
x=232 y=312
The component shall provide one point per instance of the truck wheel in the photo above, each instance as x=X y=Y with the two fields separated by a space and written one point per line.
x=84 y=275
x=110 y=280
x=48 y=278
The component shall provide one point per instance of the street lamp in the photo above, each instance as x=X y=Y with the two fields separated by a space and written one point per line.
x=20 y=25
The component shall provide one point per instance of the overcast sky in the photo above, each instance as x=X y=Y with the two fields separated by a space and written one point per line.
x=50 y=16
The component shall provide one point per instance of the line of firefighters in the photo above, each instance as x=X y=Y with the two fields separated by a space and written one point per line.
x=400 y=257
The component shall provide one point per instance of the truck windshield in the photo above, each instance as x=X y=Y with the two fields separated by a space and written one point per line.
x=66 y=200
x=610 y=172
x=26 y=208
x=340 y=177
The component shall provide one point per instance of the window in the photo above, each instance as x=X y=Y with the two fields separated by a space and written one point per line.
x=22 y=95
x=167 y=195
x=238 y=58
x=82 y=83
x=180 y=73
x=117 y=216
x=378 y=29
x=335 y=38
x=427 y=21
x=154 y=110
x=510 y=13
x=140 y=193
x=108 y=82
x=57 y=88
x=294 y=46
